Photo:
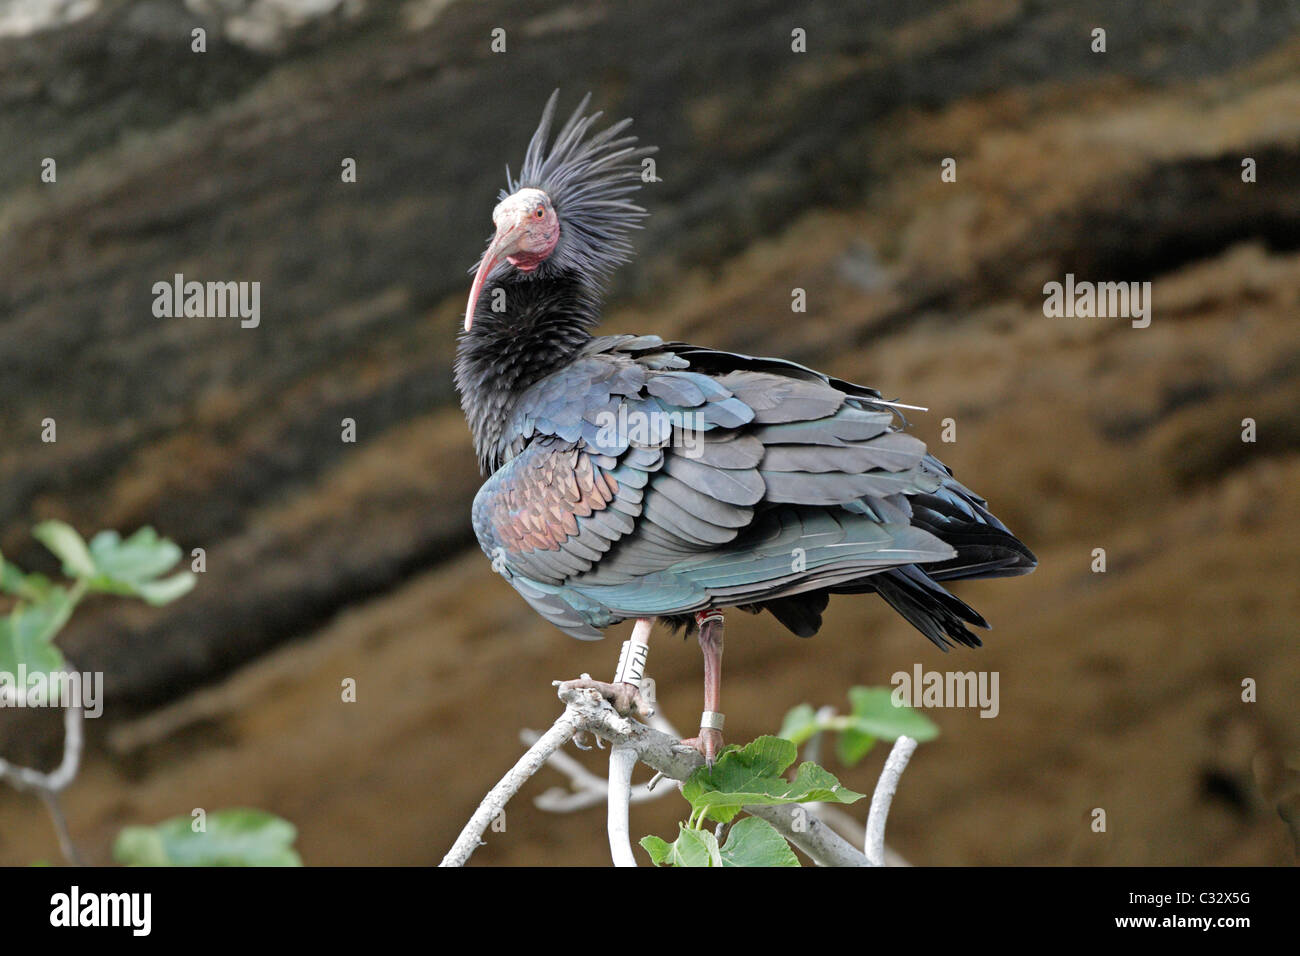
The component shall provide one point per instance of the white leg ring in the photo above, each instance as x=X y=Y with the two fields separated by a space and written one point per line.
x=712 y=720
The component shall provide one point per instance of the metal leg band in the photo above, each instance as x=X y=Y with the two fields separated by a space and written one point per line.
x=712 y=720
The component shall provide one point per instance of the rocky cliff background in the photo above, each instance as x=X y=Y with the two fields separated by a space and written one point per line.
x=816 y=170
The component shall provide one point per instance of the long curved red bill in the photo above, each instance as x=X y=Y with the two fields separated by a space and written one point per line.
x=503 y=244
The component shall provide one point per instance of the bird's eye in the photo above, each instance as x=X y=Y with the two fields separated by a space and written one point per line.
x=539 y=212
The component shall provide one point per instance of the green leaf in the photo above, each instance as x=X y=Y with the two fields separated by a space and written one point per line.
x=658 y=848
x=141 y=557
x=853 y=745
x=11 y=578
x=165 y=590
x=875 y=713
x=755 y=842
x=26 y=587
x=40 y=623
x=691 y=848
x=133 y=567
x=68 y=546
x=238 y=837
x=743 y=770
x=751 y=842
x=752 y=775
x=16 y=651
x=35 y=588
x=799 y=724
x=26 y=636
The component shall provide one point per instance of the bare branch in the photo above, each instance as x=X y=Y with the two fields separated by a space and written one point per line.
x=25 y=778
x=586 y=789
x=50 y=785
x=633 y=742
x=66 y=846
x=847 y=826
x=654 y=748
x=622 y=760
x=823 y=845
x=886 y=786
x=564 y=728
x=670 y=757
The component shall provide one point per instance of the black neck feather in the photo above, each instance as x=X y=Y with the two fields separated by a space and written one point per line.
x=545 y=321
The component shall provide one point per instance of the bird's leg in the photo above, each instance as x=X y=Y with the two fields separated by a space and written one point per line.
x=709 y=742
x=625 y=690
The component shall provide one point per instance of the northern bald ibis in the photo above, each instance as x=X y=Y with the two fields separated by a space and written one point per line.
x=633 y=478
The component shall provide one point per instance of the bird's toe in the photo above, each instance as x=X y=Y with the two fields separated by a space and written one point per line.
x=709 y=744
x=626 y=699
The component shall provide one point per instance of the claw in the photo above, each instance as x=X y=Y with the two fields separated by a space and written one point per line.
x=626 y=698
x=708 y=744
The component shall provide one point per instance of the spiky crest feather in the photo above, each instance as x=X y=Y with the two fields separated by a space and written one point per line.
x=589 y=178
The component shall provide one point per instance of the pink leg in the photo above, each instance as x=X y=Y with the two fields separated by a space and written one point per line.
x=709 y=742
x=625 y=690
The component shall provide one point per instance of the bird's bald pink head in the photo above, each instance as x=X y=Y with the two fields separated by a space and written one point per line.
x=527 y=233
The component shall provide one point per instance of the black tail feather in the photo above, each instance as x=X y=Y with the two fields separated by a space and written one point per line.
x=985 y=549
x=801 y=613
x=927 y=606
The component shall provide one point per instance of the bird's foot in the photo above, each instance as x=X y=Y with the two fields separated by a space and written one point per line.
x=626 y=698
x=708 y=743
